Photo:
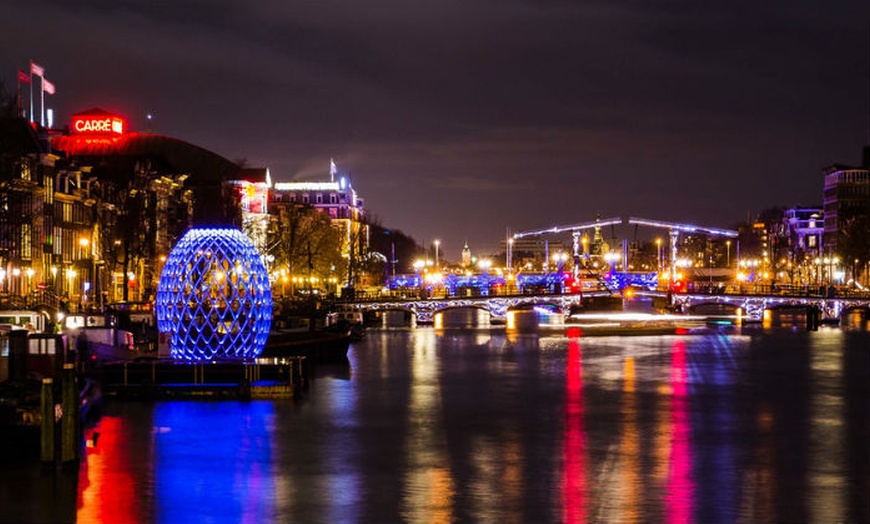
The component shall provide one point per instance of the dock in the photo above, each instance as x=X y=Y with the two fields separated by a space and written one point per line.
x=165 y=379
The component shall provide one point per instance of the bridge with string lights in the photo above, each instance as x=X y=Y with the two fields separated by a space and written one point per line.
x=742 y=306
x=425 y=297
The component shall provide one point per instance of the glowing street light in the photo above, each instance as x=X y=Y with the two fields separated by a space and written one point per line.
x=71 y=276
x=659 y=254
x=559 y=259
x=728 y=253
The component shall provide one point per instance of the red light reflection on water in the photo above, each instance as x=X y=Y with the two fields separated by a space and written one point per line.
x=574 y=495
x=680 y=488
x=107 y=487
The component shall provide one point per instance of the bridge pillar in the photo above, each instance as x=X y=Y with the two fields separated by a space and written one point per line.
x=814 y=315
x=521 y=321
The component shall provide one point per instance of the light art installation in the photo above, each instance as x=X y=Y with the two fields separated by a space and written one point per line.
x=214 y=297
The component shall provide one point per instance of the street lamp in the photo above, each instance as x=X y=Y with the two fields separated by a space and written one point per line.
x=659 y=255
x=71 y=275
x=728 y=253
x=560 y=258
x=30 y=272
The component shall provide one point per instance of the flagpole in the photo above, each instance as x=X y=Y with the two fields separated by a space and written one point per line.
x=42 y=101
x=31 y=95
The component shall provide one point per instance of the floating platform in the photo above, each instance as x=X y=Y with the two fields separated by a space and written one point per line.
x=165 y=379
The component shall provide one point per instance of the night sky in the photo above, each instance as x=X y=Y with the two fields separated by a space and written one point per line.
x=458 y=119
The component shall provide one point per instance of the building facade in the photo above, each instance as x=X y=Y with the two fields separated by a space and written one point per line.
x=89 y=213
x=846 y=196
x=338 y=201
x=804 y=229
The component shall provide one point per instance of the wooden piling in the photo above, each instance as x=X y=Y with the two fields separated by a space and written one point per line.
x=813 y=318
x=47 y=436
x=69 y=440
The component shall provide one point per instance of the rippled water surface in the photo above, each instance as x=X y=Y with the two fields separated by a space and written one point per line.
x=474 y=425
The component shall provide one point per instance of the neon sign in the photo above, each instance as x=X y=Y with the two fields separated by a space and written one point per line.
x=98 y=124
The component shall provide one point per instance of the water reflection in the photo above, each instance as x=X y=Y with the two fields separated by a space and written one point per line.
x=628 y=480
x=574 y=489
x=703 y=378
x=477 y=425
x=213 y=461
x=110 y=487
x=680 y=488
x=428 y=485
x=209 y=459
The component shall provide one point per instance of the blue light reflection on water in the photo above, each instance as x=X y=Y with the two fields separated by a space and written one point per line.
x=712 y=372
x=212 y=461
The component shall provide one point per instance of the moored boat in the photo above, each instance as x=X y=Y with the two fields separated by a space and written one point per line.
x=318 y=345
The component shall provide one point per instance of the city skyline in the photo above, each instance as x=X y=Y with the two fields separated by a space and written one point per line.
x=457 y=121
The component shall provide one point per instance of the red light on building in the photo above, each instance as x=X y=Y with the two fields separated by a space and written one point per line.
x=97 y=122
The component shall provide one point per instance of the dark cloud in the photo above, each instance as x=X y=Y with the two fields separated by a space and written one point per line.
x=457 y=118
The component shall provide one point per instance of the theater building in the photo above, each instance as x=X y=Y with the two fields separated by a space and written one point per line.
x=90 y=212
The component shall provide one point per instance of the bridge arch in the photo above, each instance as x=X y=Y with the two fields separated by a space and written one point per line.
x=460 y=315
x=390 y=316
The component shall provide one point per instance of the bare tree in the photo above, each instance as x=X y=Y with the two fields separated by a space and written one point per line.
x=306 y=243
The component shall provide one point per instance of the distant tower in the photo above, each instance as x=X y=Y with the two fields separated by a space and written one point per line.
x=466 y=255
x=598 y=247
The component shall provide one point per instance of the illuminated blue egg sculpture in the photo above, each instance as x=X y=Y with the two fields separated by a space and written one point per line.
x=214 y=297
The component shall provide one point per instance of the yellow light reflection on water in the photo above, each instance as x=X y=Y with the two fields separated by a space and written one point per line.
x=629 y=447
x=429 y=487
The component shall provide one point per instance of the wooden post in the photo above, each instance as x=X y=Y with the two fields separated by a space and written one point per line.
x=70 y=421
x=813 y=315
x=46 y=453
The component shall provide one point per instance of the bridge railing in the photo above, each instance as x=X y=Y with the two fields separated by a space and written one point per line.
x=697 y=289
x=446 y=294
x=782 y=290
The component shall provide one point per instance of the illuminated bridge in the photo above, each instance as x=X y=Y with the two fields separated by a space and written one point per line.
x=424 y=310
x=751 y=307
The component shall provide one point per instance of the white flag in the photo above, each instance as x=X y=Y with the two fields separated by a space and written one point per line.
x=36 y=69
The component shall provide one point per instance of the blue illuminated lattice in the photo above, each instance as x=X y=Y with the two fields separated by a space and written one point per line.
x=618 y=280
x=400 y=281
x=214 y=297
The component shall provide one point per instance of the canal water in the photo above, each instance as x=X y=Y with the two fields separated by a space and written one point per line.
x=478 y=425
